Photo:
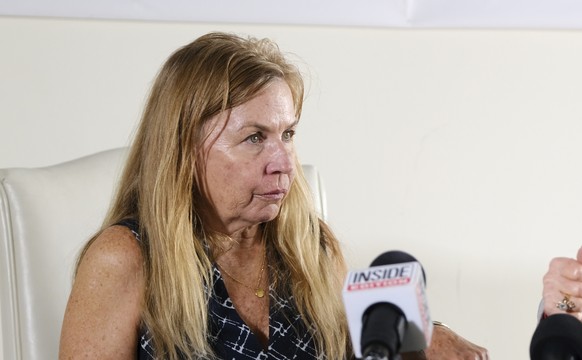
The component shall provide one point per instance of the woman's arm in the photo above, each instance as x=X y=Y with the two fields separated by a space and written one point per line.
x=104 y=309
x=447 y=345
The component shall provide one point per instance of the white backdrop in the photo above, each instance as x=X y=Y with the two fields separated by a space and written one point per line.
x=462 y=147
x=384 y=13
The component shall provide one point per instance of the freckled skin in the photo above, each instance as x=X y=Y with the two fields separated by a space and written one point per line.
x=103 y=311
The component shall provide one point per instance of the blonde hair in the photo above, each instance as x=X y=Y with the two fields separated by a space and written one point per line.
x=161 y=188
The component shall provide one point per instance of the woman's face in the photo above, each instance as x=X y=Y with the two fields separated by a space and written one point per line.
x=250 y=158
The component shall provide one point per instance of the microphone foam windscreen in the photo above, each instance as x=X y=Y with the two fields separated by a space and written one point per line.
x=558 y=336
x=395 y=257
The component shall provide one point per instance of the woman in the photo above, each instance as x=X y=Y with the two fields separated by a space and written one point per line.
x=212 y=242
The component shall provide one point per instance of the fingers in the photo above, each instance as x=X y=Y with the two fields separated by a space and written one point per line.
x=556 y=287
x=557 y=300
x=562 y=291
x=563 y=303
x=480 y=354
x=579 y=255
x=564 y=275
x=568 y=268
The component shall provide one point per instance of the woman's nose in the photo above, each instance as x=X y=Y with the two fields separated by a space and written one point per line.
x=281 y=158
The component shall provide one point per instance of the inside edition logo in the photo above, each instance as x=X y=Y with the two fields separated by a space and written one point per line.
x=380 y=277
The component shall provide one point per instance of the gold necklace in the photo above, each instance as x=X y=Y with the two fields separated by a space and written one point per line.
x=259 y=291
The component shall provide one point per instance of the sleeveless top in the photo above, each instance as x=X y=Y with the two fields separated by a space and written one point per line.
x=230 y=338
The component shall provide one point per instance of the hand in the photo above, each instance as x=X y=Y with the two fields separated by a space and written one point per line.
x=447 y=345
x=563 y=282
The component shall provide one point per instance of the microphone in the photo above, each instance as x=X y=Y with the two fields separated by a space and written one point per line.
x=386 y=307
x=557 y=337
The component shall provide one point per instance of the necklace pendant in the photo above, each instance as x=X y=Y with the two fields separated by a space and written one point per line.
x=260 y=293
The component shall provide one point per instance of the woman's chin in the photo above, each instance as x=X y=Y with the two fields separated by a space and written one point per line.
x=268 y=214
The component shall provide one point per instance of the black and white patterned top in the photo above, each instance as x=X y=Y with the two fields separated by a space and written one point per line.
x=288 y=336
x=232 y=339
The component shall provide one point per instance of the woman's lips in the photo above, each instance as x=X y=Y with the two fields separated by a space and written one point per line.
x=274 y=195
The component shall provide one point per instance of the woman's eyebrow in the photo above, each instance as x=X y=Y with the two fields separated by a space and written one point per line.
x=262 y=127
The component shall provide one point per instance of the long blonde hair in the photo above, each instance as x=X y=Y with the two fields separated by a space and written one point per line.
x=161 y=188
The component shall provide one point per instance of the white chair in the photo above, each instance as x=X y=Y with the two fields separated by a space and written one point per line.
x=46 y=215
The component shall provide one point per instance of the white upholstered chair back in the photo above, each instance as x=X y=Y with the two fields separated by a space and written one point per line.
x=46 y=215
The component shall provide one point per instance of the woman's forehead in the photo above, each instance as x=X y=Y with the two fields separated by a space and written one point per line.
x=271 y=109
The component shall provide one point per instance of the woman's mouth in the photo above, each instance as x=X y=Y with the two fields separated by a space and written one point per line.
x=273 y=195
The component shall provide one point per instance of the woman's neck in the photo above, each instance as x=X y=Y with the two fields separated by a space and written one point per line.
x=245 y=241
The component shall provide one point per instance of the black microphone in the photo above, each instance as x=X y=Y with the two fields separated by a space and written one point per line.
x=386 y=307
x=557 y=337
x=396 y=257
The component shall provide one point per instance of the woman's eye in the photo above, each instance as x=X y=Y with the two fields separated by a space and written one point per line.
x=288 y=135
x=255 y=138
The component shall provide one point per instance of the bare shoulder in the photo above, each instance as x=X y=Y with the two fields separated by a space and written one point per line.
x=116 y=250
x=104 y=309
x=112 y=268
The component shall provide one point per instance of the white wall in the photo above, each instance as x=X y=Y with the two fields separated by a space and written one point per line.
x=463 y=148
